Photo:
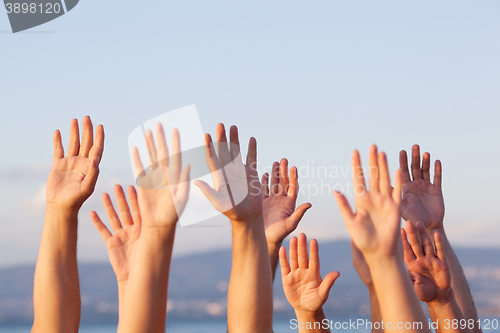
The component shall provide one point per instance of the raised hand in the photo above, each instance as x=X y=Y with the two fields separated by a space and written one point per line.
x=428 y=269
x=422 y=200
x=302 y=283
x=280 y=216
x=164 y=189
x=121 y=245
x=374 y=230
x=374 y=226
x=236 y=192
x=73 y=177
x=56 y=293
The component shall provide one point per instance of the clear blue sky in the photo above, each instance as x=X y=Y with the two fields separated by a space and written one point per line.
x=310 y=80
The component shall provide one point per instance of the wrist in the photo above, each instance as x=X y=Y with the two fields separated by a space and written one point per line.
x=249 y=223
x=377 y=260
x=61 y=210
x=274 y=246
x=310 y=315
x=158 y=233
x=443 y=300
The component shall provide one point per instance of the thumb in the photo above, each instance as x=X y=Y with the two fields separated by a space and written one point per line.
x=327 y=284
x=299 y=213
x=88 y=183
x=207 y=190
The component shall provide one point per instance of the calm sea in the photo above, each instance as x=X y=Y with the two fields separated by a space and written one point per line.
x=218 y=327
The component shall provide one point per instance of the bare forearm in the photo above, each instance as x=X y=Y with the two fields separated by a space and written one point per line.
x=459 y=282
x=144 y=304
x=250 y=300
x=121 y=292
x=274 y=250
x=375 y=315
x=400 y=303
x=312 y=322
x=56 y=296
x=444 y=313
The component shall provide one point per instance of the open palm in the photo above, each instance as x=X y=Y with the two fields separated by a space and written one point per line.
x=428 y=268
x=236 y=192
x=73 y=177
x=422 y=200
x=127 y=229
x=302 y=283
x=280 y=216
x=374 y=226
x=164 y=189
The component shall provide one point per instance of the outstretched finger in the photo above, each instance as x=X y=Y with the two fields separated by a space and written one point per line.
x=357 y=173
x=294 y=264
x=439 y=246
x=100 y=226
x=284 y=181
x=134 y=205
x=398 y=187
x=426 y=166
x=123 y=208
x=234 y=146
x=74 y=138
x=314 y=256
x=252 y=154
x=87 y=137
x=409 y=256
x=211 y=157
x=275 y=178
x=285 y=267
x=327 y=284
x=222 y=149
x=176 y=156
x=384 y=178
x=374 y=168
x=425 y=239
x=416 y=172
x=111 y=213
x=265 y=185
x=58 y=146
x=293 y=188
x=163 y=153
x=344 y=207
x=151 y=146
x=403 y=165
x=416 y=246
x=98 y=144
x=296 y=216
x=438 y=173
x=302 y=252
x=136 y=162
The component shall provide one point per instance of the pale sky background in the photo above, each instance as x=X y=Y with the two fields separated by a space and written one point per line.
x=310 y=80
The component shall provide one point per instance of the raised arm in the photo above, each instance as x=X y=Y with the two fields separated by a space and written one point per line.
x=431 y=278
x=280 y=216
x=162 y=195
x=363 y=271
x=122 y=243
x=423 y=201
x=56 y=296
x=237 y=194
x=374 y=229
x=303 y=286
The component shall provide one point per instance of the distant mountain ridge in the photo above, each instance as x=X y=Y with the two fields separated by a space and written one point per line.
x=198 y=286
